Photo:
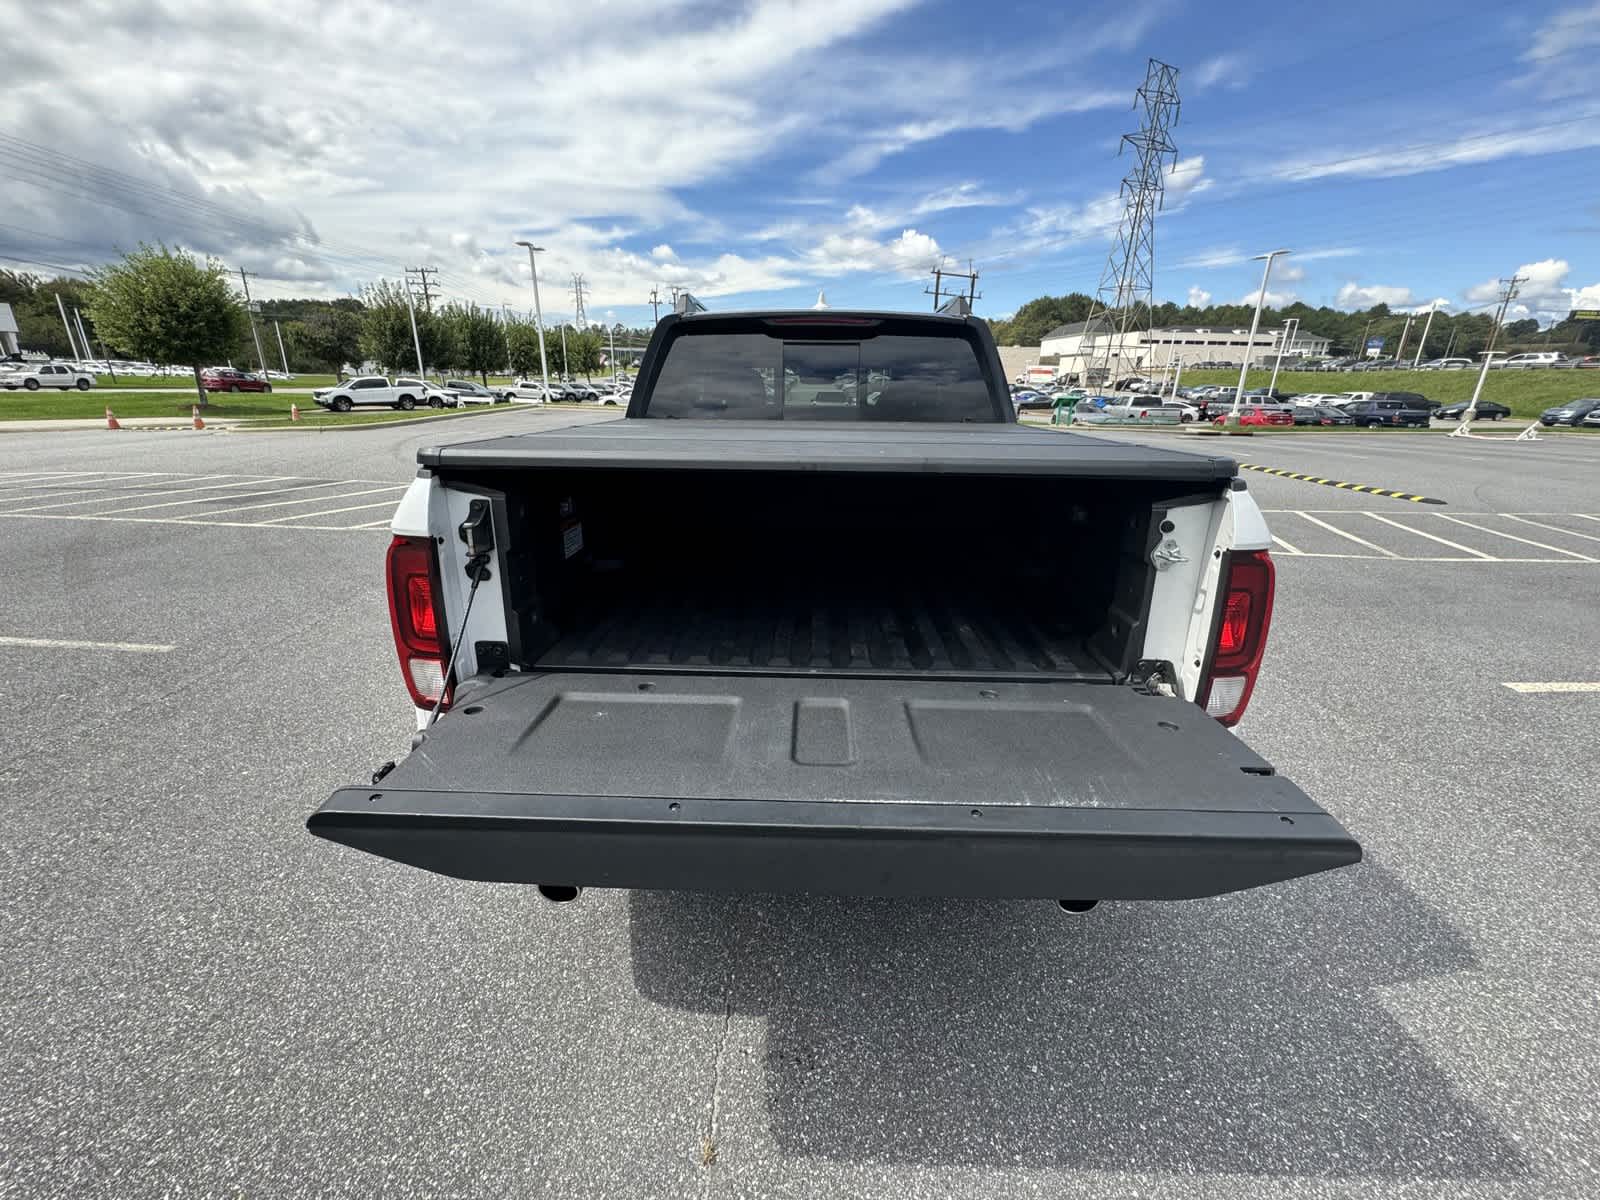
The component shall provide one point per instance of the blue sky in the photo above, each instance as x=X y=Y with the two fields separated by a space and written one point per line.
x=757 y=152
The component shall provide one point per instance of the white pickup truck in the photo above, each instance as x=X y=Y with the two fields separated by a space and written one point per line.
x=47 y=375
x=770 y=633
x=373 y=391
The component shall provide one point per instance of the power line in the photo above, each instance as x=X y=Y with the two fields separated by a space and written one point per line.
x=427 y=293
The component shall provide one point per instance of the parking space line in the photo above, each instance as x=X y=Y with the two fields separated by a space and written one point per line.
x=213 y=512
x=61 y=644
x=188 y=522
x=1288 y=549
x=101 y=481
x=1432 y=537
x=209 y=487
x=1588 y=537
x=328 y=512
x=204 y=499
x=96 y=489
x=1361 y=541
x=1513 y=537
x=1537 y=689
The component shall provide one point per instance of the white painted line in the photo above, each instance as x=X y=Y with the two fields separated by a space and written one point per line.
x=1432 y=537
x=328 y=512
x=209 y=487
x=213 y=512
x=1358 y=540
x=1287 y=547
x=1588 y=537
x=188 y=522
x=1515 y=538
x=1585 y=516
x=99 y=481
x=1539 y=689
x=208 y=499
x=59 y=644
x=107 y=489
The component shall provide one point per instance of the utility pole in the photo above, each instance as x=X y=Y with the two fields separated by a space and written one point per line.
x=655 y=305
x=249 y=311
x=939 y=292
x=424 y=286
x=611 y=331
x=1361 y=350
x=1400 y=354
x=1451 y=344
x=538 y=310
x=1255 y=323
x=566 y=367
x=578 y=290
x=104 y=353
x=67 y=325
x=505 y=326
x=83 y=338
x=1508 y=293
x=1432 y=308
x=281 y=353
x=411 y=307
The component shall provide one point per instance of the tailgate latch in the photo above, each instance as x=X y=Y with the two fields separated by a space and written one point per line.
x=1168 y=554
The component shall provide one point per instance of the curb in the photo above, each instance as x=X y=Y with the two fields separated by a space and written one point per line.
x=359 y=426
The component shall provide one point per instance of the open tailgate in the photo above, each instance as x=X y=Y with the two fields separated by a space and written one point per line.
x=848 y=786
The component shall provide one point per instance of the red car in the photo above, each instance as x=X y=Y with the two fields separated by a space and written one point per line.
x=230 y=379
x=1257 y=415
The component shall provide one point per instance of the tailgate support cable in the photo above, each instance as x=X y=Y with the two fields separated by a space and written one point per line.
x=478 y=533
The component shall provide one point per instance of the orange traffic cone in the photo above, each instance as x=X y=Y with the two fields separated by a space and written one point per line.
x=294 y=412
x=198 y=423
x=111 y=420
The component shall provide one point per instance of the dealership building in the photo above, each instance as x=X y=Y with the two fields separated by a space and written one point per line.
x=1076 y=346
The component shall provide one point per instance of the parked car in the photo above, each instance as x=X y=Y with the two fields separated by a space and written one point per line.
x=1588 y=362
x=1315 y=399
x=231 y=379
x=47 y=375
x=1261 y=414
x=1488 y=410
x=1539 y=358
x=1447 y=364
x=1390 y=409
x=530 y=391
x=1571 y=413
x=372 y=391
x=1026 y=399
x=467 y=392
x=1321 y=414
x=1591 y=419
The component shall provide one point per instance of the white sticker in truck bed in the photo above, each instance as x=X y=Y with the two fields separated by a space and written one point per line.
x=571 y=538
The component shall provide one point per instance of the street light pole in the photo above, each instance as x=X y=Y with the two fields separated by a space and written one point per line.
x=1423 y=343
x=1255 y=323
x=282 y=355
x=1289 y=328
x=538 y=308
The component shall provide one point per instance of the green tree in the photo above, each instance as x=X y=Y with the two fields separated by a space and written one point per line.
x=524 y=337
x=584 y=350
x=166 y=306
x=329 y=339
x=386 y=330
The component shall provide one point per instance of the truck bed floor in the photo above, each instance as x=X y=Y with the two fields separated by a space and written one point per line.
x=818 y=632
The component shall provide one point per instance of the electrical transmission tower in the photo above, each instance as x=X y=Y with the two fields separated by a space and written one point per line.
x=579 y=288
x=1127 y=284
x=424 y=286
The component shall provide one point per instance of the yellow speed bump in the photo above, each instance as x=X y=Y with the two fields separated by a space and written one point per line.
x=1364 y=488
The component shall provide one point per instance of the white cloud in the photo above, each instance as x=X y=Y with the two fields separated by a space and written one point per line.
x=663 y=253
x=912 y=253
x=1543 y=292
x=1227 y=69
x=1288 y=272
x=1354 y=295
x=1273 y=299
x=1198 y=297
x=1057 y=226
x=1572 y=131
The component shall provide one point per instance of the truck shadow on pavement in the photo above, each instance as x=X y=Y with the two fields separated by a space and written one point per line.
x=1237 y=1035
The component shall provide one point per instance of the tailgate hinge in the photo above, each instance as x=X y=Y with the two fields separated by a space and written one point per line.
x=1155 y=677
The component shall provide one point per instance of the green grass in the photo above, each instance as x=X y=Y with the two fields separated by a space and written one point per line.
x=51 y=405
x=1526 y=393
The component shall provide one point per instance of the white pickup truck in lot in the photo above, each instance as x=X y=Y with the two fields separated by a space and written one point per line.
x=47 y=375
x=768 y=633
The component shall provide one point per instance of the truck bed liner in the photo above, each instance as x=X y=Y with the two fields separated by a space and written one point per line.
x=846 y=632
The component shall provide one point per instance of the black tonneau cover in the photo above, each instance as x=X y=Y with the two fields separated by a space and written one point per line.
x=848 y=786
x=1000 y=449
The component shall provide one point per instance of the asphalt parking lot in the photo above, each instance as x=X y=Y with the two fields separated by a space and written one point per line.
x=202 y=999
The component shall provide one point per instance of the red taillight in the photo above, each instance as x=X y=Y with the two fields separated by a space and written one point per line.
x=1241 y=635
x=415 y=605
